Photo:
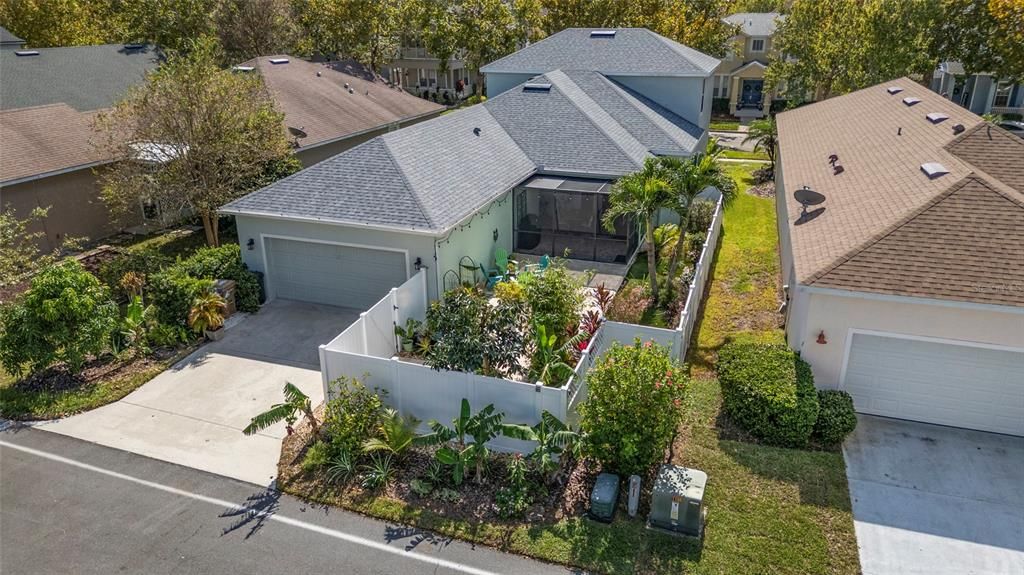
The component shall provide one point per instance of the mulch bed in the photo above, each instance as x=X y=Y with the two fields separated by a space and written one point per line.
x=58 y=378
x=568 y=497
x=765 y=190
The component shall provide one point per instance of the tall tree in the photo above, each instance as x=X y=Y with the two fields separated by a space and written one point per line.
x=986 y=36
x=192 y=136
x=44 y=23
x=366 y=30
x=251 y=28
x=640 y=195
x=171 y=24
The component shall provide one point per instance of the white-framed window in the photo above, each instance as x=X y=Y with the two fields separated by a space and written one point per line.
x=1003 y=90
x=757 y=45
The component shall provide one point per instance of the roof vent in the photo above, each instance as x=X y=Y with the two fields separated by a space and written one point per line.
x=934 y=170
x=134 y=46
x=476 y=131
x=936 y=117
x=279 y=60
x=958 y=128
x=242 y=68
x=894 y=89
x=536 y=87
x=910 y=100
x=26 y=52
x=602 y=33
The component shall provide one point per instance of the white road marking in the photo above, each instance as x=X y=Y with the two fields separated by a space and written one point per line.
x=355 y=539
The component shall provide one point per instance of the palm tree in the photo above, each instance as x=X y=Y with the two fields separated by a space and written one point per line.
x=294 y=402
x=640 y=195
x=765 y=136
x=397 y=434
x=688 y=178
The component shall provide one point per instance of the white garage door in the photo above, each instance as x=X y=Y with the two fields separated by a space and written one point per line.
x=949 y=384
x=331 y=274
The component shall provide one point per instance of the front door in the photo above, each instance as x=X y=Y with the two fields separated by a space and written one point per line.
x=752 y=93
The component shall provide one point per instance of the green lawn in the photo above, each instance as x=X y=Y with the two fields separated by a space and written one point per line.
x=744 y=155
x=724 y=125
x=771 y=510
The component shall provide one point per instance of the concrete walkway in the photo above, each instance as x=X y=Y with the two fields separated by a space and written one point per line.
x=193 y=413
x=935 y=500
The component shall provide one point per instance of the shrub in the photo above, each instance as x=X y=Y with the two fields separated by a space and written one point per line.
x=769 y=391
x=172 y=291
x=633 y=407
x=509 y=291
x=146 y=261
x=555 y=297
x=352 y=415
x=763 y=175
x=471 y=335
x=317 y=456
x=701 y=214
x=631 y=302
x=836 y=417
x=514 y=499
x=66 y=315
x=225 y=263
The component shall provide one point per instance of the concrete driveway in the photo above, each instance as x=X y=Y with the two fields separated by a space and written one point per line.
x=193 y=413
x=936 y=500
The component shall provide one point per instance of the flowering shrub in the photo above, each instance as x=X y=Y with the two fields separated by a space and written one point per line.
x=633 y=406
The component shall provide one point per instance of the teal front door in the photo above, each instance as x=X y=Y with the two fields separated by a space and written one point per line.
x=751 y=95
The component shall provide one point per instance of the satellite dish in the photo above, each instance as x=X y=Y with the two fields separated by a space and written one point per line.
x=297 y=132
x=807 y=197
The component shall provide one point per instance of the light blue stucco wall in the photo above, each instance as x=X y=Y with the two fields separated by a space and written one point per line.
x=498 y=83
x=684 y=96
x=476 y=238
x=416 y=246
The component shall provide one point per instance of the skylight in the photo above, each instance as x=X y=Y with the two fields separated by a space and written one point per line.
x=279 y=60
x=936 y=117
x=602 y=33
x=910 y=100
x=26 y=52
x=134 y=46
x=894 y=89
x=934 y=170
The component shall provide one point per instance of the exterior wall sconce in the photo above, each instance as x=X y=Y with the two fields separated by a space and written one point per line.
x=821 y=337
x=251 y=244
x=418 y=264
x=495 y=234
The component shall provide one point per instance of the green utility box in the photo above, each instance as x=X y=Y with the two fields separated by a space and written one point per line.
x=604 y=497
x=677 y=500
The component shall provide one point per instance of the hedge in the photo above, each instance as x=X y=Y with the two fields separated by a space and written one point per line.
x=836 y=417
x=172 y=291
x=769 y=391
x=225 y=263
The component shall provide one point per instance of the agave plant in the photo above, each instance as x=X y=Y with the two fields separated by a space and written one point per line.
x=553 y=438
x=295 y=402
x=207 y=312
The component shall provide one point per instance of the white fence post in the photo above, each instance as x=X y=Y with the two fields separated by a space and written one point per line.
x=394 y=318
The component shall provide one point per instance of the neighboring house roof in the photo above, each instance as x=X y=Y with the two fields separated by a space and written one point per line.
x=430 y=176
x=755 y=23
x=9 y=40
x=44 y=139
x=322 y=106
x=954 y=68
x=630 y=52
x=83 y=77
x=889 y=228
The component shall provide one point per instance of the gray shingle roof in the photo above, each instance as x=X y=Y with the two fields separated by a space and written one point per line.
x=430 y=176
x=632 y=51
x=755 y=23
x=83 y=77
x=8 y=39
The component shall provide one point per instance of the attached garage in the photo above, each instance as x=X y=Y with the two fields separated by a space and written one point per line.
x=936 y=381
x=331 y=273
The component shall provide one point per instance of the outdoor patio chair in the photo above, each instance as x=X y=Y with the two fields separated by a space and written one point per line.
x=502 y=261
x=493 y=277
x=539 y=267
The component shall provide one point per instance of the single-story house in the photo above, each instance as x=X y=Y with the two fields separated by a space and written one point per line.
x=330 y=107
x=48 y=100
x=901 y=227
x=527 y=171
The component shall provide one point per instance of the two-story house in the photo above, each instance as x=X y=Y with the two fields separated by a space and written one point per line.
x=979 y=93
x=529 y=171
x=420 y=73
x=739 y=80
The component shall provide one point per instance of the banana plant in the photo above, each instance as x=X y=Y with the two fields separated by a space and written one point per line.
x=549 y=364
x=553 y=438
x=481 y=427
x=295 y=402
x=138 y=318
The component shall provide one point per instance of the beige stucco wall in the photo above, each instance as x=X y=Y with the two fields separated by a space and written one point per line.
x=836 y=315
x=76 y=209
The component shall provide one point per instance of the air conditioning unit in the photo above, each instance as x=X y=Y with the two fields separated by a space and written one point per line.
x=677 y=500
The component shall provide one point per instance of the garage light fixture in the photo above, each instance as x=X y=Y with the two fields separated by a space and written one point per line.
x=251 y=244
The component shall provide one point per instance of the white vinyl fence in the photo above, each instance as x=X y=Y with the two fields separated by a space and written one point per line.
x=368 y=349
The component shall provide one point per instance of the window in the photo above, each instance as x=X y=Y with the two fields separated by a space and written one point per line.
x=757 y=45
x=1003 y=89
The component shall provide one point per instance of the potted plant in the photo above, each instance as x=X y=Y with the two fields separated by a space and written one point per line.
x=207 y=315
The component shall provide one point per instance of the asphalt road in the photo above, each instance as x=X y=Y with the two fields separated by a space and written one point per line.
x=68 y=506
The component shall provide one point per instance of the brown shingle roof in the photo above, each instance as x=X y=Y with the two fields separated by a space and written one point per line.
x=44 y=139
x=887 y=227
x=324 y=109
